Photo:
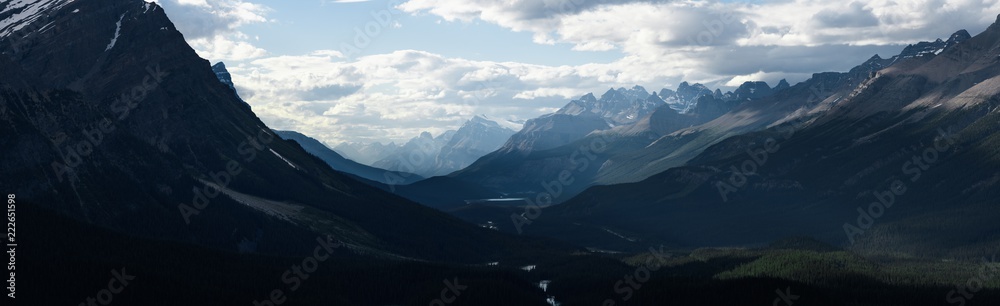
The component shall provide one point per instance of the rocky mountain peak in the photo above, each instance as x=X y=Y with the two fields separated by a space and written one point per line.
x=223 y=74
x=635 y=90
x=685 y=96
x=654 y=98
x=612 y=94
x=925 y=48
x=479 y=119
x=753 y=90
x=782 y=85
x=958 y=37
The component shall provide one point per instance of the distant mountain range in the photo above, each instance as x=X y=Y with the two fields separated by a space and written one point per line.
x=586 y=134
x=428 y=155
x=629 y=134
x=366 y=153
x=342 y=164
x=809 y=159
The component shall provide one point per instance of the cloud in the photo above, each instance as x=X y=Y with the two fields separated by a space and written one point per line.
x=635 y=26
x=221 y=47
x=212 y=27
x=856 y=16
x=397 y=95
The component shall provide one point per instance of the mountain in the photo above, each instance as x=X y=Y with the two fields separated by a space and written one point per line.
x=419 y=155
x=339 y=163
x=788 y=106
x=752 y=90
x=685 y=96
x=583 y=135
x=451 y=151
x=934 y=47
x=112 y=120
x=782 y=85
x=223 y=75
x=903 y=163
x=477 y=137
x=552 y=130
x=616 y=106
x=581 y=117
x=666 y=139
x=21 y=19
x=132 y=162
x=366 y=153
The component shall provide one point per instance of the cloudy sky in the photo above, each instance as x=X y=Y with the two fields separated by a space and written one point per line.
x=385 y=70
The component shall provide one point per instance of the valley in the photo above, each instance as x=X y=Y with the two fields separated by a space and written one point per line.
x=143 y=161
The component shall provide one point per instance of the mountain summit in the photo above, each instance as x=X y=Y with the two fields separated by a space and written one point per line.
x=428 y=156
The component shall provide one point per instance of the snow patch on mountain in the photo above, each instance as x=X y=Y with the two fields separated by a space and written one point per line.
x=118 y=32
x=20 y=13
x=506 y=124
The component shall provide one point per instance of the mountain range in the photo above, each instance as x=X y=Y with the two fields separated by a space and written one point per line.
x=899 y=159
x=129 y=153
x=428 y=155
x=602 y=146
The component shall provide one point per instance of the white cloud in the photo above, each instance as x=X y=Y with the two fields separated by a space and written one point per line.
x=221 y=47
x=212 y=27
x=397 y=95
x=635 y=25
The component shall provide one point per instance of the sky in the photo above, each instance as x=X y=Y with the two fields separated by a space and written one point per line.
x=386 y=70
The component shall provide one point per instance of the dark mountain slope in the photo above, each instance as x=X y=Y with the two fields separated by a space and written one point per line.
x=579 y=144
x=178 y=146
x=820 y=172
x=339 y=163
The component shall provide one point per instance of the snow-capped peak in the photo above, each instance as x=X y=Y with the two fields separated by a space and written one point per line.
x=506 y=124
x=20 y=13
